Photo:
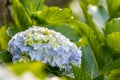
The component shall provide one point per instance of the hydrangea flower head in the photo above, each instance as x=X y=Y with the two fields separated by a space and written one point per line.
x=49 y=47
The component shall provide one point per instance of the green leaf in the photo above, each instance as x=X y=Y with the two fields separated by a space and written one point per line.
x=89 y=64
x=52 y=16
x=66 y=30
x=20 y=16
x=99 y=15
x=115 y=75
x=5 y=57
x=88 y=17
x=12 y=30
x=80 y=74
x=37 y=68
x=3 y=38
x=112 y=26
x=101 y=77
x=113 y=41
x=33 y=5
x=110 y=65
x=82 y=41
x=87 y=2
x=95 y=45
x=113 y=8
x=91 y=24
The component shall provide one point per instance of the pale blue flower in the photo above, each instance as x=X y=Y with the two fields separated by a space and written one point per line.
x=47 y=46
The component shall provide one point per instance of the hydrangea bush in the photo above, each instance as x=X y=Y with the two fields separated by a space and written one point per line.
x=41 y=44
x=95 y=30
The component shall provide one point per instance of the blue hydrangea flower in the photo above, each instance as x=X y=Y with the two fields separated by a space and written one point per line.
x=49 y=47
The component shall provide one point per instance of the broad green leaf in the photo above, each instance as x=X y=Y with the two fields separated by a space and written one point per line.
x=66 y=30
x=110 y=65
x=5 y=57
x=101 y=77
x=80 y=74
x=3 y=38
x=115 y=75
x=95 y=45
x=37 y=68
x=89 y=64
x=113 y=8
x=112 y=26
x=20 y=16
x=87 y=2
x=113 y=41
x=33 y=5
x=12 y=30
x=99 y=16
x=52 y=16
x=82 y=41
x=88 y=17
x=91 y=24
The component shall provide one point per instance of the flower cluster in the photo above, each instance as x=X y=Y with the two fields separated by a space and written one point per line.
x=49 y=47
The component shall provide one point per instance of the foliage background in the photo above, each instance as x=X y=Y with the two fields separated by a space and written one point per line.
x=94 y=28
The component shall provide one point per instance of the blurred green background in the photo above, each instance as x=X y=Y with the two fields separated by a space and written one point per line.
x=5 y=14
x=95 y=23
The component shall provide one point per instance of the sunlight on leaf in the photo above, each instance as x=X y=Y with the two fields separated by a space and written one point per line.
x=99 y=15
x=36 y=68
x=87 y=2
x=3 y=38
x=82 y=41
x=115 y=75
x=33 y=5
x=112 y=26
x=52 y=16
x=113 y=41
x=113 y=8
x=91 y=24
x=18 y=11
